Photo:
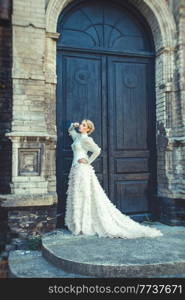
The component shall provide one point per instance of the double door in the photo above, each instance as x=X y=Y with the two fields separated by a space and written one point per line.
x=117 y=94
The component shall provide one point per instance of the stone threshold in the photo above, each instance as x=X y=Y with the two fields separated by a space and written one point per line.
x=64 y=255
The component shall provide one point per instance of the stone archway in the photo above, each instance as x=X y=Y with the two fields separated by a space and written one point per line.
x=156 y=13
x=163 y=28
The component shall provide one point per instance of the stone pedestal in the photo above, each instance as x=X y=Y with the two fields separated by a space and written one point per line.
x=32 y=203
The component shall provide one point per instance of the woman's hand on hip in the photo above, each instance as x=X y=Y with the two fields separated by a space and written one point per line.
x=82 y=160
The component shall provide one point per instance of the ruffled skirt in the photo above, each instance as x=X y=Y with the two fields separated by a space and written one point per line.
x=90 y=212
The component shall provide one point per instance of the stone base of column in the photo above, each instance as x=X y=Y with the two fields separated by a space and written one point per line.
x=172 y=211
x=30 y=215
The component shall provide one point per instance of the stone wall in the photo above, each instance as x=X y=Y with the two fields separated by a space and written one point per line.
x=5 y=112
x=172 y=192
x=5 y=123
x=32 y=134
x=32 y=221
x=5 y=99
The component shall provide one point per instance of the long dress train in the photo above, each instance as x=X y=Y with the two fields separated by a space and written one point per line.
x=88 y=209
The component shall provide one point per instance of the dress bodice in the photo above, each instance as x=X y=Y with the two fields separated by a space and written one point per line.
x=78 y=151
x=82 y=143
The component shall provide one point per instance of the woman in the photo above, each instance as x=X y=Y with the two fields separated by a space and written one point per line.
x=88 y=209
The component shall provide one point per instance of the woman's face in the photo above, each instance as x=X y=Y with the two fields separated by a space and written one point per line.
x=83 y=128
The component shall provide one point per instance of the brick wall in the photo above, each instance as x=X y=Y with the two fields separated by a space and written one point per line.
x=32 y=221
x=173 y=201
x=5 y=102
x=28 y=124
x=5 y=112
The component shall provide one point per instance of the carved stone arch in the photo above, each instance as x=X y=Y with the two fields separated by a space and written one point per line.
x=163 y=28
x=156 y=13
x=160 y=20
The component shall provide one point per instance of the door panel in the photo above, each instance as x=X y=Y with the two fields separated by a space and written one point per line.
x=129 y=106
x=80 y=95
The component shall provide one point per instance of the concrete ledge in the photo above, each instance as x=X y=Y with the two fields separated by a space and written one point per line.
x=28 y=134
x=27 y=200
x=106 y=257
x=103 y=257
x=31 y=264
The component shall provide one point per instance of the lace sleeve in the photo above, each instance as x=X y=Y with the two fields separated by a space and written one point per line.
x=72 y=132
x=89 y=145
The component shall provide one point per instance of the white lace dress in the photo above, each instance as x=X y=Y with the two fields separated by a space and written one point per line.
x=88 y=209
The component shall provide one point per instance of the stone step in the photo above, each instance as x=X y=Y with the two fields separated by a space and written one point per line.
x=31 y=264
x=107 y=257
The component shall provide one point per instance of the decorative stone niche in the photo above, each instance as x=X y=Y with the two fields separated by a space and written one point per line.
x=30 y=177
x=29 y=162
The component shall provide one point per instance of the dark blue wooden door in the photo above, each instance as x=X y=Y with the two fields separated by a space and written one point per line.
x=105 y=73
x=131 y=115
x=81 y=94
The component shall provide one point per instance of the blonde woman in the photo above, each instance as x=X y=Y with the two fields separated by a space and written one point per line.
x=88 y=209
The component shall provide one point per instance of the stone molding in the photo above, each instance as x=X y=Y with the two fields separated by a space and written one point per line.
x=157 y=9
x=53 y=35
x=175 y=142
x=27 y=200
x=15 y=135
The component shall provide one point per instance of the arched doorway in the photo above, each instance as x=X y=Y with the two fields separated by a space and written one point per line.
x=105 y=72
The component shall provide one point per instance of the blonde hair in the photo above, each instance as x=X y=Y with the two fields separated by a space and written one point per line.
x=90 y=126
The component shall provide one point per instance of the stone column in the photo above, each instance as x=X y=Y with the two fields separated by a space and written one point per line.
x=172 y=136
x=32 y=202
